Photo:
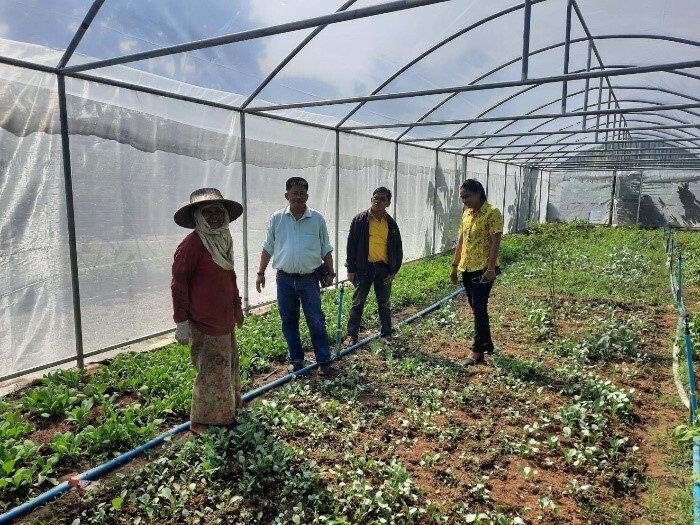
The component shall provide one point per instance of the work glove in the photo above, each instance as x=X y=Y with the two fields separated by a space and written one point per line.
x=182 y=333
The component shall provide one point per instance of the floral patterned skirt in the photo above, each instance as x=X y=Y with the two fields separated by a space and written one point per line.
x=217 y=388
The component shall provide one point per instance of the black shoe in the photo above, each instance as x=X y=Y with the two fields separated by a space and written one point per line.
x=295 y=367
x=475 y=358
x=325 y=369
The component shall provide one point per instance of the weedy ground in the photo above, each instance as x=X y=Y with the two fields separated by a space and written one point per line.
x=568 y=423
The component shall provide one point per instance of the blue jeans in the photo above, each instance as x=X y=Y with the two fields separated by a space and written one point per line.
x=292 y=291
x=374 y=275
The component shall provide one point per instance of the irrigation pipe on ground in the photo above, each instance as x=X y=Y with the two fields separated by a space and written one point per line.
x=100 y=470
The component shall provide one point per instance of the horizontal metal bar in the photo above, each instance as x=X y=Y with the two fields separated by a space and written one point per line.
x=492 y=85
x=334 y=18
x=638 y=151
x=582 y=143
x=208 y=103
x=622 y=157
x=39 y=368
x=558 y=132
x=637 y=109
x=27 y=65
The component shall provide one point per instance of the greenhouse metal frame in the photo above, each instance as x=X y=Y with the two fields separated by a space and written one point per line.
x=602 y=139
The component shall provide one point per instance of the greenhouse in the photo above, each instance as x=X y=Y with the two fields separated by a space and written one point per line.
x=580 y=118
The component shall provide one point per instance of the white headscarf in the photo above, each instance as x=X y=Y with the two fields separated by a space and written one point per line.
x=218 y=242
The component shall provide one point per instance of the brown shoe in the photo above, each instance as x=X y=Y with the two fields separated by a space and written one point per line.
x=474 y=358
x=350 y=340
x=198 y=428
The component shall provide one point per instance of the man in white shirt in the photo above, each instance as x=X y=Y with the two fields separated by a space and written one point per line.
x=297 y=238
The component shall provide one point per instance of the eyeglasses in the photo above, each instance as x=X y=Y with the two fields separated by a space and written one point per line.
x=380 y=199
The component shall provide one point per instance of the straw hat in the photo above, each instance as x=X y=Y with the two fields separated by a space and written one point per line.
x=185 y=215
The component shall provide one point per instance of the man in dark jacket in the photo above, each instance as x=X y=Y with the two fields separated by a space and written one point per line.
x=374 y=256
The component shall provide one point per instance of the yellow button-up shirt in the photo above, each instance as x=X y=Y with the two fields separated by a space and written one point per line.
x=378 y=237
x=476 y=230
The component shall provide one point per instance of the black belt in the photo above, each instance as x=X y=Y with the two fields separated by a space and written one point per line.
x=298 y=275
x=377 y=263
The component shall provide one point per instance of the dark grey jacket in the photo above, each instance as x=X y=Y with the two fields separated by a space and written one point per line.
x=358 y=244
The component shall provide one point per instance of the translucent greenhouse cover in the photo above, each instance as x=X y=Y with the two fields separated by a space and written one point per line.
x=112 y=112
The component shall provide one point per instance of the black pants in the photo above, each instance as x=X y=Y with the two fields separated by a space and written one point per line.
x=478 y=297
x=365 y=279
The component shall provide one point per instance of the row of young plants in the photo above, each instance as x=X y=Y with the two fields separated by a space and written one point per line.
x=72 y=420
x=547 y=432
x=323 y=448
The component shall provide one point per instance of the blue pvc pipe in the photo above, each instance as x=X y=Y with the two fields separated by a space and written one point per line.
x=691 y=372
x=696 y=485
x=89 y=475
x=94 y=473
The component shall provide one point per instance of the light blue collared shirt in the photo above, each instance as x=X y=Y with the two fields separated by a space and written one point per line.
x=297 y=246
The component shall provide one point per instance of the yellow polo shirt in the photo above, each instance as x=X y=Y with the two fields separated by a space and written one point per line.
x=378 y=237
x=476 y=229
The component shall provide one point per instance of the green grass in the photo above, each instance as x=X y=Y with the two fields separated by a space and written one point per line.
x=577 y=301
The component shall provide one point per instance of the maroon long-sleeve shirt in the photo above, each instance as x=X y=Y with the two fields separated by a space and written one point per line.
x=203 y=291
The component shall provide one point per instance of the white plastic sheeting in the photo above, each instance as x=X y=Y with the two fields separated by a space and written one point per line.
x=36 y=309
x=581 y=196
x=415 y=209
x=146 y=132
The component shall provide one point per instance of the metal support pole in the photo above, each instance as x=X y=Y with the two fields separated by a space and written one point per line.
x=612 y=198
x=70 y=213
x=488 y=174
x=337 y=205
x=567 y=45
x=244 y=197
x=396 y=175
x=639 y=199
x=600 y=99
x=607 y=119
x=588 y=81
x=518 y=193
x=435 y=178
x=526 y=38
x=505 y=185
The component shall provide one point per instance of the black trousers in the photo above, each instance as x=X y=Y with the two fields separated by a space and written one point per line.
x=373 y=276
x=478 y=297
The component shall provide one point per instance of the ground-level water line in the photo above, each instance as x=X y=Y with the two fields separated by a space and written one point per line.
x=100 y=470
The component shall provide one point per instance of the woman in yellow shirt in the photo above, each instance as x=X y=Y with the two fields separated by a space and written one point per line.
x=476 y=256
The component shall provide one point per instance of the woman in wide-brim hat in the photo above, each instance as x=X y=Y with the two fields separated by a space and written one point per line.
x=207 y=306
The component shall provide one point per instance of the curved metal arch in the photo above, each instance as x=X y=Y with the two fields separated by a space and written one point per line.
x=595 y=88
x=635 y=88
x=543 y=155
x=333 y=18
x=663 y=132
x=434 y=48
x=505 y=64
x=290 y=56
x=554 y=144
x=581 y=111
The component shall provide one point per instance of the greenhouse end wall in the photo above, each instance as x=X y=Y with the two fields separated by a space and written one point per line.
x=649 y=198
x=135 y=157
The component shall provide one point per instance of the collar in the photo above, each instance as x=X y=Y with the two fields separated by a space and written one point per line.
x=371 y=215
x=307 y=211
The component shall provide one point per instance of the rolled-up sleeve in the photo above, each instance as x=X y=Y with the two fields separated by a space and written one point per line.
x=326 y=246
x=183 y=264
x=269 y=243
